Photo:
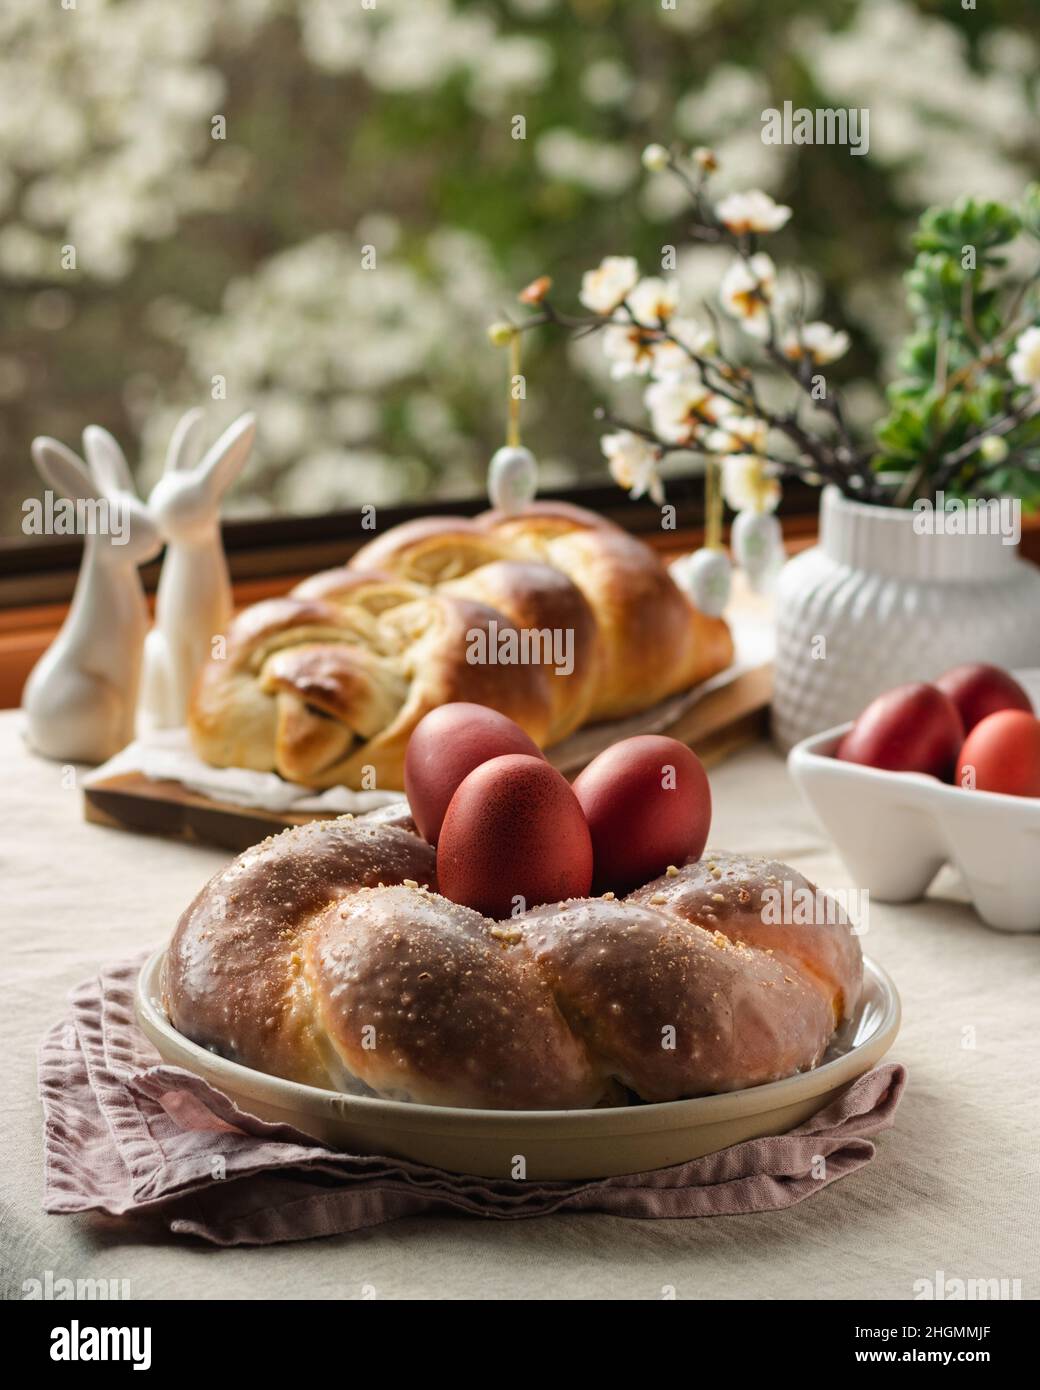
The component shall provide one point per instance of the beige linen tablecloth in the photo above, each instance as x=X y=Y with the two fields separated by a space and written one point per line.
x=953 y=1192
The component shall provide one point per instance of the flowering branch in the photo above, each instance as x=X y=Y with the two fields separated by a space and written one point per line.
x=700 y=398
x=703 y=399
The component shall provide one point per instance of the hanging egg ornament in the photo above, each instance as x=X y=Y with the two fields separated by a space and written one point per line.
x=512 y=478
x=706 y=576
x=764 y=583
x=758 y=546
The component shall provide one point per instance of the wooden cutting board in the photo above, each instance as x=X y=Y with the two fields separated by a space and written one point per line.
x=717 y=725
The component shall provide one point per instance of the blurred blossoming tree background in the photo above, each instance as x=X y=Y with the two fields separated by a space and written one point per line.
x=313 y=208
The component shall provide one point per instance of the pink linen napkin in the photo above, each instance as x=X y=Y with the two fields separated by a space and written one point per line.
x=125 y=1133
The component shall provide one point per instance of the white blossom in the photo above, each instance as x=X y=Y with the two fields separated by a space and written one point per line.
x=965 y=127
x=278 y=337
x=739 y=434
x=747 y=291
x=93 y=154
x=1024 y=362
x=656 y=158
x=654 y=300
x=995 y=449
x=335 y=359
x=629 y=349
x=725 y=111
x=754 y=211
x=747 y=486
x=818 y=341
x=679 y=409
x=603 y=167
x=633 y=461
x=603 y=289
x=606 y=82
x=671 y=358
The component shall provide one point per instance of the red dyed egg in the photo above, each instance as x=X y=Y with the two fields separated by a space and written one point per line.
x=979 y=690
x=1002 y=754
x=648 y=805
x=445 y=746
x=513 y=836
x=913 y=728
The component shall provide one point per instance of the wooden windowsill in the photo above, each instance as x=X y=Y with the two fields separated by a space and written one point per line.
x=27 y=630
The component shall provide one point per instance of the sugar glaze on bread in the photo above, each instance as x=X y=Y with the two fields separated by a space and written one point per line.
x=326 y=955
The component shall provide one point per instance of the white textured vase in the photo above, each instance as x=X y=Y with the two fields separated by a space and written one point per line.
x=875 y=604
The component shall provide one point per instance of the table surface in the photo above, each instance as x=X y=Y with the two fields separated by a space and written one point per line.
x=953 y=1188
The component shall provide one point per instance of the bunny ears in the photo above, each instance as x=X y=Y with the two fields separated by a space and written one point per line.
x=106 y=470
x=222 y=463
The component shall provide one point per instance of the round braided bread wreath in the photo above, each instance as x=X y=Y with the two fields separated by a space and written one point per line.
x=326 y=956
x=332 y=679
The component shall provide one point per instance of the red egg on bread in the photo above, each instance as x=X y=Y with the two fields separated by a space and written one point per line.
x=447 y=744
x=913 y=728
x=648 y=805
x=979 y=690
x=1002 y=754
x=513 y=837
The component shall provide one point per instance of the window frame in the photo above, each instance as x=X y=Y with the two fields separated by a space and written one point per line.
x=44 y=571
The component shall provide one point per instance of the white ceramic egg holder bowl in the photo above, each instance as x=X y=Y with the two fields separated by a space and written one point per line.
x=895 y=830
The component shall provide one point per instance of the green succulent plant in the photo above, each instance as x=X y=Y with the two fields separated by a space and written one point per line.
x=964 y=416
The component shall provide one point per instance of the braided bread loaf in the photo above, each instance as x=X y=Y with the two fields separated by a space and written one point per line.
x=332 y=679
x=326 y=956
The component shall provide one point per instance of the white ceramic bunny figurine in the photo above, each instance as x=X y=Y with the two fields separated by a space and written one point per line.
x=193 y=602
x=81 y=695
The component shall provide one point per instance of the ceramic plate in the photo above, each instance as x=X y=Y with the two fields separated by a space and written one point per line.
x=554 y=1143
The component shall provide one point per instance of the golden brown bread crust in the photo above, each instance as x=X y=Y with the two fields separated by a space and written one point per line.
x=533 y=595
x=736 y=896
x=325 y=955
x=330 y=681
x=233 y=976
